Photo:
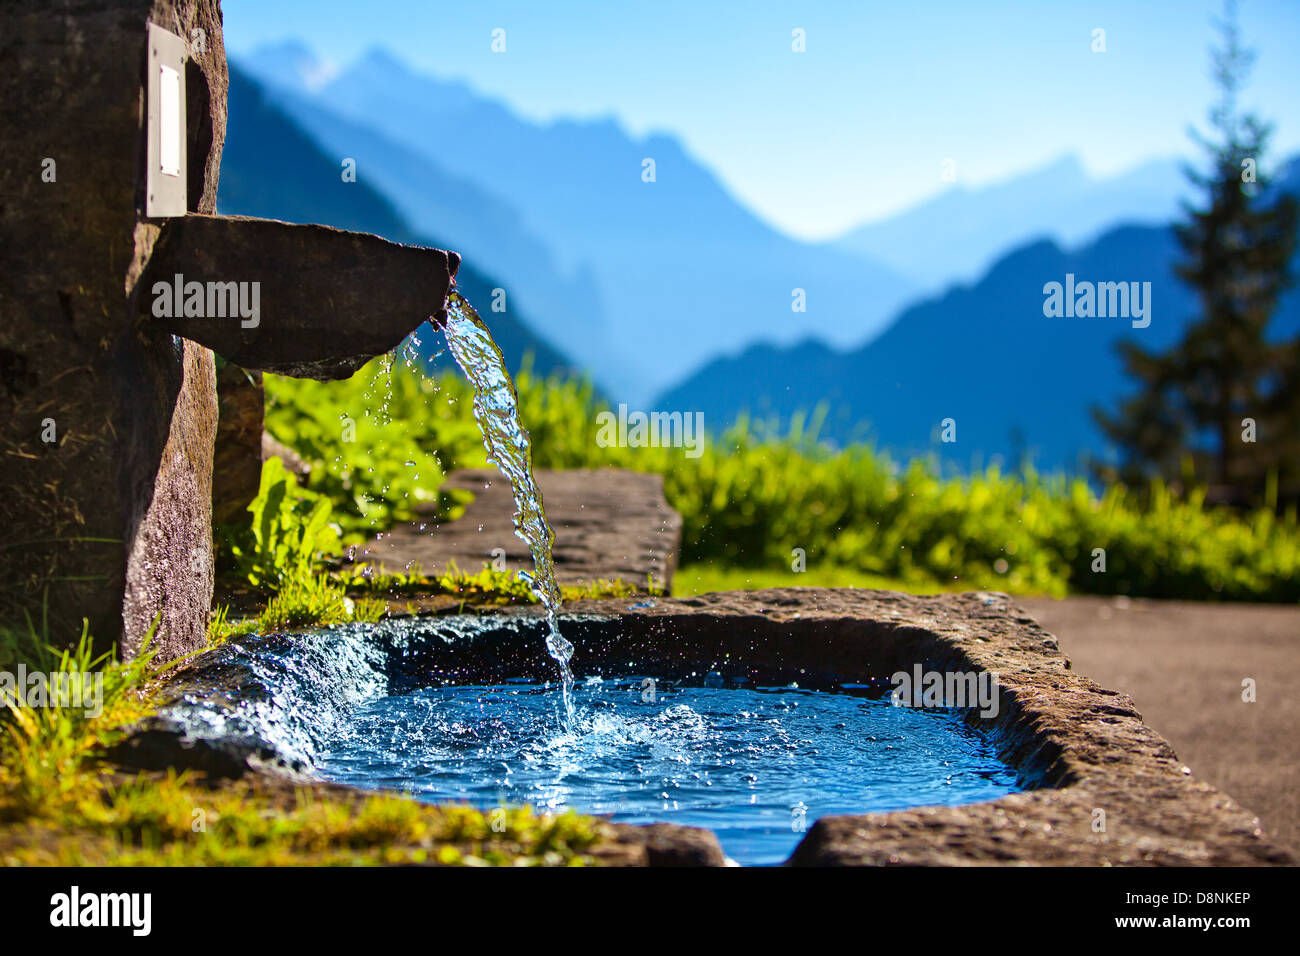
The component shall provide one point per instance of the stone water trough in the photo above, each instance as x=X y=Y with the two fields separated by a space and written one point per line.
x=108 y=414
x=1099 y=786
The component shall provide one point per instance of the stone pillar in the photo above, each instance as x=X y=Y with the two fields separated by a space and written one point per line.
x=106 y=429
x=108 y=414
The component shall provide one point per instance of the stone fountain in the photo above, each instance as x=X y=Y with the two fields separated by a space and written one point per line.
x=110 y=145
x=121 y=281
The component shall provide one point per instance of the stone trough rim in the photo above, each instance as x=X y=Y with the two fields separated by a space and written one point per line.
x=1076 y=747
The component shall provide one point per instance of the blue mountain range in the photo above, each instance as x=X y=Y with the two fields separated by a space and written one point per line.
x=640 y=281
x=1017 y=384
x=271 y=168
x=672 y=295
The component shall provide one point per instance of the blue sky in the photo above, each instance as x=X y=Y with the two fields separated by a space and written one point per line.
x=859 y=125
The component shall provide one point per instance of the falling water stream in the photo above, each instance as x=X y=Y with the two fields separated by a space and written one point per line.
x=752 y=762
x=496 y=409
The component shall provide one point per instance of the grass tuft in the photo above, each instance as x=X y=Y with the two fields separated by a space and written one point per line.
x=61 y=804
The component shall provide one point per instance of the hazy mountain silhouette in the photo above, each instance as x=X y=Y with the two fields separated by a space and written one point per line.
x=272 y=168
x=676 y=271
x=486 y=231
x=960 y=233
x=650 y=280
x=1016 y=382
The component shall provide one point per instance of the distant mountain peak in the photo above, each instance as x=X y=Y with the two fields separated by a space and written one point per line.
x=670 y=258
x=409 y=86
x=290 y=48
x=956 y=235
x=290 y=64
x=1068 y=167
x=379 y=64
x=381 y=57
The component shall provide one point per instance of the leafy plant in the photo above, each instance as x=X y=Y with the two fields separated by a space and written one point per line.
x=290 y=527
x=376 y=443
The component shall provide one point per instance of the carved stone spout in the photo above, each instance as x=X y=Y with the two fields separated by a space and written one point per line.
x=326 y=301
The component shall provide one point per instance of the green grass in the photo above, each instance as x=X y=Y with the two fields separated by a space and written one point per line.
x=362 y=592
x=316 y=601
x=43 y=748
x=172 y=820
x=222 y=628
x=483 y=587
x=60 y=804
x=749 y=501
x=702 y=578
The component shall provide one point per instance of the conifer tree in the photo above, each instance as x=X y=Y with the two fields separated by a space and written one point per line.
x=1195 y=404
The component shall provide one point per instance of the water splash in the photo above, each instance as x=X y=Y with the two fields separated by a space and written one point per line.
x=496 y=409
x=755 y=765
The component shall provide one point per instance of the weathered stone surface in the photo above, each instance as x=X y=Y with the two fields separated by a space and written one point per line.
x=330 y=300
x=118 y=504
x=608 y=523
x=162 y=748
x=169 y=572
x=237 y=459
x=670 y=845
x=1079 y=747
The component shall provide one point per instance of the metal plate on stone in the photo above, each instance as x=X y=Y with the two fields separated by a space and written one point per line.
x=167 y=171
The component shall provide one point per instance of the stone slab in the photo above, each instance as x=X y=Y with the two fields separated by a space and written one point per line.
x=608 y=523
x=1077 y=747
x=329 y=300
x=107 y=517
x=107 y=418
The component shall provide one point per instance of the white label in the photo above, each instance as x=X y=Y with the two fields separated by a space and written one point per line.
x=169 y=119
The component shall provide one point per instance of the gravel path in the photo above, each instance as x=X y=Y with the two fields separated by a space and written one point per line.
x=1183 y=664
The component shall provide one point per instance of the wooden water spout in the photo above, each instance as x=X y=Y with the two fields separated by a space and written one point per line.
x=107 y=381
